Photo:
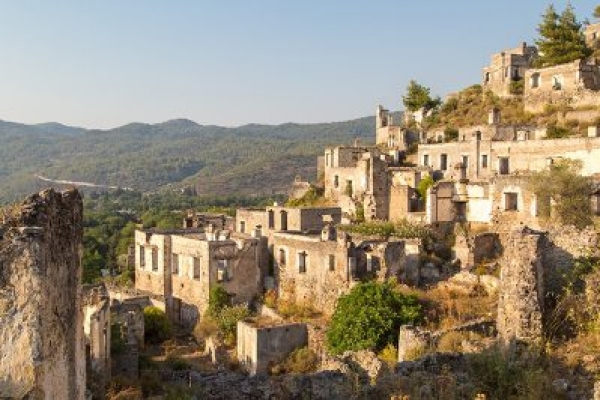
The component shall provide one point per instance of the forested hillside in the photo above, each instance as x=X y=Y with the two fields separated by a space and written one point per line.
x=251 y=159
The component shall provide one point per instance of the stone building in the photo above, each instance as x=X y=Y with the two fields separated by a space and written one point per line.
x=573 y=84
x=496 y=149
x=388 y=134
x=202 y=220
x=506 y=67
x=96 y=312
x=129 y=322
x=592 y=34
x=261 y=343
x=42 y=345
x=183 y=265
x=266 y=221
x=316 y=268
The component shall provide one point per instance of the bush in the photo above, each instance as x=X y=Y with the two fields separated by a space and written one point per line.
x=501 y=377
x=300 y=361
x=403 y=229
x=227 y=321
x=450 y=134
x=218 y=299
x=157 y=327
x=423 y=185
x=369 y=317
x=556 y=132
x=389 y=354
x=517 y=87
x=570 y=191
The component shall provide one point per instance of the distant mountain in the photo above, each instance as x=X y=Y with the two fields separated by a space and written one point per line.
x=250 y=159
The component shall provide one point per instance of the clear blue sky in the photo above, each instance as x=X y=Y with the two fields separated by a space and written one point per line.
x=229 y=62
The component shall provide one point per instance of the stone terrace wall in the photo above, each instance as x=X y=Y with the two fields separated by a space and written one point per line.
x=41 y=315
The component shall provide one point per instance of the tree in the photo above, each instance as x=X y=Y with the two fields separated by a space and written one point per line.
x=369 y=317
x=561 y=38
x=561 y=188
x=157 y=327
x=597 y=12
x=417 y=97
x=218 y=299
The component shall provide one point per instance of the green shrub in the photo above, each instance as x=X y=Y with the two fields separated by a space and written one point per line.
x=517 y=87
x=423 y=185
x=227 y=321
x=402 y=229
x=369 y=317
x=389 y=354
x=556 y=132
x=157 y=327
x=218 y=299
x=450 y=134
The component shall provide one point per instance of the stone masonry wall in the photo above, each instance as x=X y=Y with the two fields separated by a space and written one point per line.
x=41 y=314
x=521 y=300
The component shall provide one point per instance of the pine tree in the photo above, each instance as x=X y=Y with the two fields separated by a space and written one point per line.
x=561 y=38
x=417 y=97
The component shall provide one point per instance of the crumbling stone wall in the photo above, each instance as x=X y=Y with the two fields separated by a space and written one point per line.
x=574 y=83
x=96 y=310
x=262 y=344
x=41 y=315
x=521 y=294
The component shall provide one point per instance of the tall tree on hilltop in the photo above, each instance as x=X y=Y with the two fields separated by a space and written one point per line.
x=417 y=97
x=561 y=38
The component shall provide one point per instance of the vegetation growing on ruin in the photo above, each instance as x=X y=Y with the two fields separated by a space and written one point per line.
x=221 y=316
x=312 y=198
x=563 y=192
x=157 y=326
x=471 y=106
x=403 y=229
x=300 y=361
x=369 y=317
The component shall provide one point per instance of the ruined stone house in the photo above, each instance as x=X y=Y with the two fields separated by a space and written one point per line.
x=97 y=330
x=129 y=327
x=507 y=67
x=42 y=344
x=183 y=265
x=574 y=84
x=262 y=343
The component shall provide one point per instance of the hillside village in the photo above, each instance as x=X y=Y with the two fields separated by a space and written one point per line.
x=478 y=213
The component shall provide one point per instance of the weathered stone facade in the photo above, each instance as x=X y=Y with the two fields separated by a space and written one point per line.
x=42 y=350
x=97 y=330
x=317 y=269
x=574 y=84
x=129 y=320
x=262 y=343
x=183 y=265
x=521 y=295
x=506 y=67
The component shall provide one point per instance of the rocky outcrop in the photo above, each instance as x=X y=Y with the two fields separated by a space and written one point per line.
x=41 y=316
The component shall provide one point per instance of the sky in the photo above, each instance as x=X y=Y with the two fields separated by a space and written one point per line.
x=105 y=63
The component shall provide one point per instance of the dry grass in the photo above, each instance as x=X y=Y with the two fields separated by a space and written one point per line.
x=445 y=307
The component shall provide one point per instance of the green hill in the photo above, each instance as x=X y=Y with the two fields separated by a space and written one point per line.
x=251 y=159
